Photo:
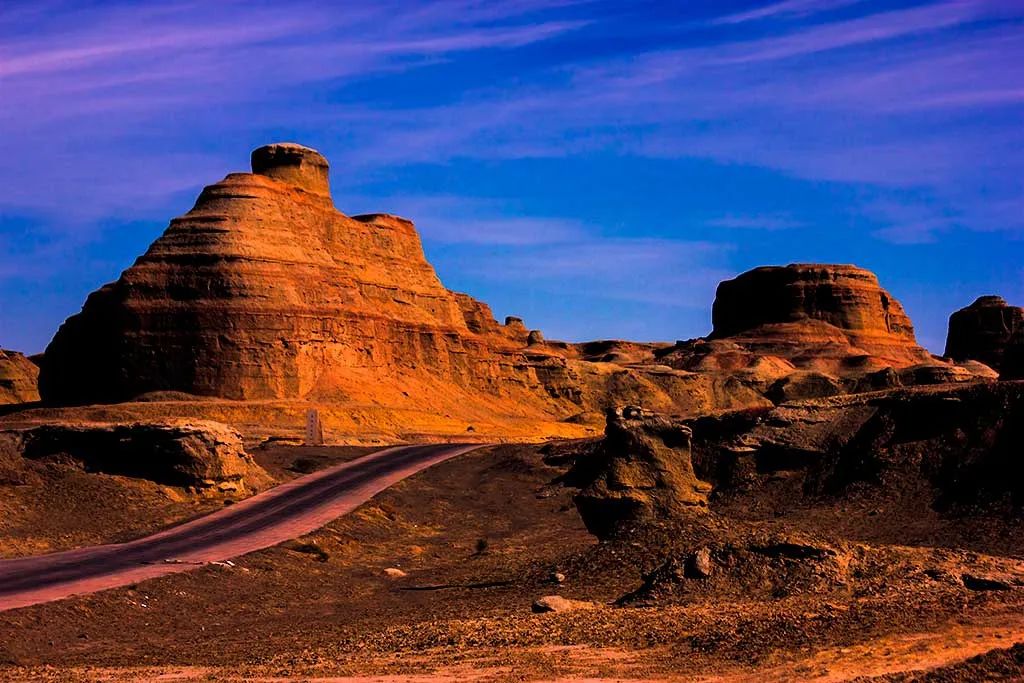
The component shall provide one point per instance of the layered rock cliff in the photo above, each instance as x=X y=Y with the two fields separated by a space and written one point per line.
x=265 y=291
x=18 y=378
x=990 y=331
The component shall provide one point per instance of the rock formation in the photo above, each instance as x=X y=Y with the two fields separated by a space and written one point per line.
x=265 y=291
x=958 y=444
x=990 y=331
x=19 y=378
x=641 y=472
x=812 y=330
x=206 y=457
x=783 y=307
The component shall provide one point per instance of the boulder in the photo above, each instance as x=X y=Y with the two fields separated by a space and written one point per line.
x=19 y=378
x=207 y=457
x=556 y=603
x=990 y=331
x=803 y=385
x=640 y=473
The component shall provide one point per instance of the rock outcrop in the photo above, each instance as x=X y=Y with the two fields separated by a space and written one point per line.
x=958 y=444
x=206 y=457
x=265 y=291
x=990 y=331
x=784 y=308
x=19 y=378
x=640 y=473
x=812 y=330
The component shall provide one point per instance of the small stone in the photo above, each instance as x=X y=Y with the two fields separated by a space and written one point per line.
x=556 y=603
x=557 y=577
x=701 y=563
x=394 y=573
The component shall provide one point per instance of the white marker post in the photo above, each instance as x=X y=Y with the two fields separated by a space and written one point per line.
x=314 y=428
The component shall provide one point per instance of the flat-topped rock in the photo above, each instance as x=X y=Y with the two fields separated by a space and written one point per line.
x=990 y=331
x=819 y=304
x=294 y=164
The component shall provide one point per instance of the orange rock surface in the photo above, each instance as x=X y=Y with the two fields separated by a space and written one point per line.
x=18 y=378
x=265 y=291
x=264 y=300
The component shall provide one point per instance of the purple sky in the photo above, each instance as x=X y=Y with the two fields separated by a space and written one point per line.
x=594 y=167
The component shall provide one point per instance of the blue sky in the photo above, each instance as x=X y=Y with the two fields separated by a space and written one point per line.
x=596 y=168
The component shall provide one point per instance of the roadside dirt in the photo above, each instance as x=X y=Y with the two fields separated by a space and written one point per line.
x=478 y=539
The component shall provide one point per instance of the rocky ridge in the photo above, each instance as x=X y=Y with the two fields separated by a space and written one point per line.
x=264 y=300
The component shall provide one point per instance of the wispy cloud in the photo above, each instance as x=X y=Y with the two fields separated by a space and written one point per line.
x=785 y=9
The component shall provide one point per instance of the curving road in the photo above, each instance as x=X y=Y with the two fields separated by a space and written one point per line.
x=284 y=512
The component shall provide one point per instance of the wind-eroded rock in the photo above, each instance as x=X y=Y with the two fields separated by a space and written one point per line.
x=990 y=331
x=265 y=291
x=641 y=472
x=205 y=456
x=19 y=378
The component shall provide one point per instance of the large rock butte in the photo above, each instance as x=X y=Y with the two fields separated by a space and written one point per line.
x=990 y=331
x=265 y=291
x=18 y=378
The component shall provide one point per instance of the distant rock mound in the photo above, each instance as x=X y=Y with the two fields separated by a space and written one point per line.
x=778 y=307
x=990 y=331
x=641 y=472
x=265 y=291
x=812 y=330
x=19 y=378
x=204 y=456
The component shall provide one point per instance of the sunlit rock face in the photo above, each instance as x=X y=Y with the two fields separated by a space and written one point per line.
x=265 y=291
x=18 y=378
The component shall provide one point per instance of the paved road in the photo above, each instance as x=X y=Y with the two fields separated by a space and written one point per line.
x=284 y=512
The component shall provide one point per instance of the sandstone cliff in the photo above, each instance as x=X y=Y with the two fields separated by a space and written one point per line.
x=265 y=291
x=811 y=330
x=18 y=378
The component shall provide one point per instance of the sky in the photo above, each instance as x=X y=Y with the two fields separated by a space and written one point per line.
x=593 y=167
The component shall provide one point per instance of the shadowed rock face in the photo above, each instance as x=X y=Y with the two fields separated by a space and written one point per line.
x=265 y=291
x=18 y=378
x=991 y=331
x=815 y=304
x=640 y=473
